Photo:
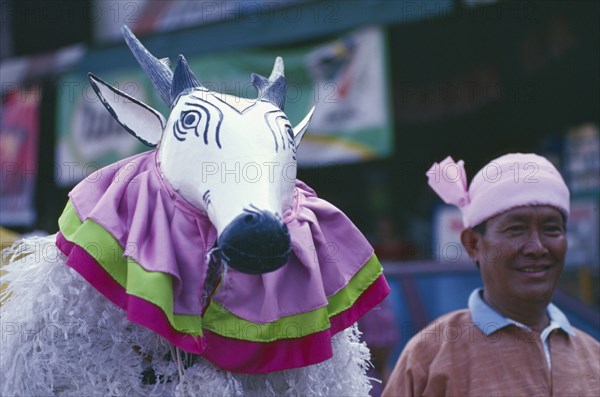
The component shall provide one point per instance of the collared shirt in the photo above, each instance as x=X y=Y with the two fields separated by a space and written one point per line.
x=478 y=352
x=489 y=320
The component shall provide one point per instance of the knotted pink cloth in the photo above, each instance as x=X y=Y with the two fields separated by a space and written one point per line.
x=512 y=180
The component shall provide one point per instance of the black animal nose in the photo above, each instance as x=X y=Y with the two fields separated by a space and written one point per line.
x=255 y=242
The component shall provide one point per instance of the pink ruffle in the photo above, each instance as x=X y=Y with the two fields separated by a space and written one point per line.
x=157 y=229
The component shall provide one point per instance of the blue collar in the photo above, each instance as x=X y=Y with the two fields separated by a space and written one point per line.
x=489 y=320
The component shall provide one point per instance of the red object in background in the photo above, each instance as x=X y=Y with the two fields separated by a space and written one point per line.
x=19 y=134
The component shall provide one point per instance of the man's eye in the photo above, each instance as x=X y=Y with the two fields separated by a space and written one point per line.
x=514 y=228
x=553 y=229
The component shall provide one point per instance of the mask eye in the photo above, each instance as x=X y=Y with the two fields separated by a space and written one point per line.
x=190 y=119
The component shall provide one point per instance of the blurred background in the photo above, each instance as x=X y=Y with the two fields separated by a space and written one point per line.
x=397 y=86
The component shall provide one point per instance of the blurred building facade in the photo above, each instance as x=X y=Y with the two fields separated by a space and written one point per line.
x=398 y=84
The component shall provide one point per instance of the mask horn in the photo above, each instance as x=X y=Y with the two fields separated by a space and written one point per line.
x=273 y=88
x=183 y=79
x=158 y=72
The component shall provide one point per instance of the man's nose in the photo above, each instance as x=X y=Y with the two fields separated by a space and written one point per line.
x=534 y=245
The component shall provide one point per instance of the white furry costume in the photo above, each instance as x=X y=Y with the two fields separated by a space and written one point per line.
x=61 y=337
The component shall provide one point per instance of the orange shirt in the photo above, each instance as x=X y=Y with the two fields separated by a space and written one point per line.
x=453 y=357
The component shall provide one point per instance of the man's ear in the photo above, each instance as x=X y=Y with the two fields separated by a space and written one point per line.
x=470 y=239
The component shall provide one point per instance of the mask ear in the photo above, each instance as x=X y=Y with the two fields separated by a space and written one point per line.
x=300 y=129
x=139 y=119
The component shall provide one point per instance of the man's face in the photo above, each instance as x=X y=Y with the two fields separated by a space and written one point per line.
x=521 y=255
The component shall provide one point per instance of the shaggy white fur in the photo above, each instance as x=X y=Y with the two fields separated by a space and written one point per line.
x=59 y=336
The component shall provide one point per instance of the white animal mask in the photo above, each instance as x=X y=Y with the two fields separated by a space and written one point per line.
x=231 y=157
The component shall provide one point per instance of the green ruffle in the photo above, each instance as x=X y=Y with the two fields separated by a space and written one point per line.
x=157 y=288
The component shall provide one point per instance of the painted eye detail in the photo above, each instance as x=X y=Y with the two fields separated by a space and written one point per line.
x=290 y=138
x=190 y=119
x=290 y=131
x=195 y=120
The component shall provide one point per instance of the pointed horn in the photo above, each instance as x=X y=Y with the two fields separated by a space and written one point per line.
x=166 y=62
x=273 y=88
x=277 y=69
x=259 y=82
x=183 y=78
x=157 y=71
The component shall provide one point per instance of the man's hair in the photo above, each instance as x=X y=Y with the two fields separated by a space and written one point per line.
x=480 y=228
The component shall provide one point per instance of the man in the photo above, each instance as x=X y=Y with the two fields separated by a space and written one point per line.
x=511 y=341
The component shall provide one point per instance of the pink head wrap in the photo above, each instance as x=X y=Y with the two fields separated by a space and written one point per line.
x=512 y=180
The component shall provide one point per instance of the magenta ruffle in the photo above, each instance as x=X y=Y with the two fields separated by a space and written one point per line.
x=230 y=354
